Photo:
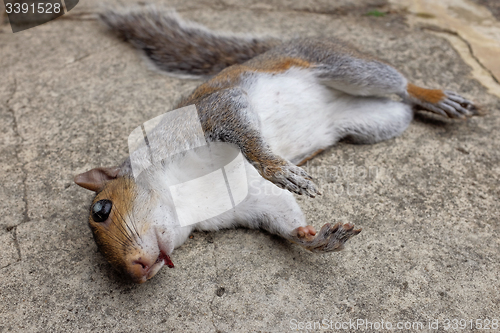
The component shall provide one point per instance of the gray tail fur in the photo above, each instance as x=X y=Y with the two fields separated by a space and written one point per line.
x=181 y=47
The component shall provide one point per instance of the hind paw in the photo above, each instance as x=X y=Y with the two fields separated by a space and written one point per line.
x=328 y=239
x=452 y=105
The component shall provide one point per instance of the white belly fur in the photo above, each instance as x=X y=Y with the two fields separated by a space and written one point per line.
x=295 y=112
x=299 y=115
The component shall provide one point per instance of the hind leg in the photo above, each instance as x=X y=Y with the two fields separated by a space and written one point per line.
x=445 y=103
x=365 y=120
x=360 y=75
x=380 y=79
x=370 y=119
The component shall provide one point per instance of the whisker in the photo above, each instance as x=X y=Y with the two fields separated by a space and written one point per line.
x=121 y=228
x=132 y=218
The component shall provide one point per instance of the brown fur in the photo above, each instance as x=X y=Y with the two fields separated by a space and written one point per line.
x=432 y=96
x=231 y=76
x=112 y=236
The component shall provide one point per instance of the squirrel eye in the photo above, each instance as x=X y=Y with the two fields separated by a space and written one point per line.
x=100 y=210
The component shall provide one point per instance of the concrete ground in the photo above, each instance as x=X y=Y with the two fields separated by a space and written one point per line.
x=428 y=201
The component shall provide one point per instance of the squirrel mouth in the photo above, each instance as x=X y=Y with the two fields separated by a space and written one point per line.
x=166 y=259
x=163 y=256
x=163 y=259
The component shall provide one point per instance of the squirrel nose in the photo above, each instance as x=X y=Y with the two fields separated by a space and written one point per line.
x=142 y=265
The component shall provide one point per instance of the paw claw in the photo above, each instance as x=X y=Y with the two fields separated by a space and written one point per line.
x=451 y=106
x=329 y=238
x=456 y=106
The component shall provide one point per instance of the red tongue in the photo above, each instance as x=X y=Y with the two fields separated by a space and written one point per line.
x=166 y=259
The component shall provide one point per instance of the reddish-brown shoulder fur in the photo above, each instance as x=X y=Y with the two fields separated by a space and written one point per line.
x=231 y=76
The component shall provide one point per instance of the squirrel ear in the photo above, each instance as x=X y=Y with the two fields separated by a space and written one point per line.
x=95 y=179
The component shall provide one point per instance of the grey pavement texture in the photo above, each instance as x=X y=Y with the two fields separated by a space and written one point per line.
x=428 y=201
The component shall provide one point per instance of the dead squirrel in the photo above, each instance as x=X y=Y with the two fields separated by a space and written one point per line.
x=278 y=102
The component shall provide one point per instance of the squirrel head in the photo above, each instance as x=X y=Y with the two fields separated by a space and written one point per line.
x=122 y=228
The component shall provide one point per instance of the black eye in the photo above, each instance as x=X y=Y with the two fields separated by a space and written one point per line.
x=100 y=210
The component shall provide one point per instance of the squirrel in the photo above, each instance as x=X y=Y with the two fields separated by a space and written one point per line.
x=279 y=102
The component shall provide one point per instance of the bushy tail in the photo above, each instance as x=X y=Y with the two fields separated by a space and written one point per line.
x=181 y=47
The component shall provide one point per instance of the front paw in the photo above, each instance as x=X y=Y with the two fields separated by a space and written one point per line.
x=328 y=239
x=292 y=178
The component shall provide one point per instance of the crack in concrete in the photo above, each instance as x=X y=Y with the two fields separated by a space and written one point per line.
x=469 y=46
x=216 y=286
x=6 y=266
x=16 y=244
x=15 y=128
x=470 y=29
